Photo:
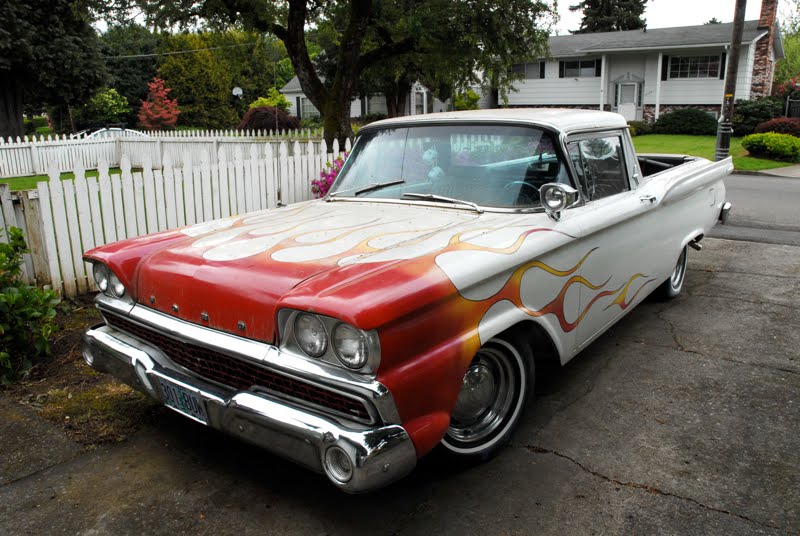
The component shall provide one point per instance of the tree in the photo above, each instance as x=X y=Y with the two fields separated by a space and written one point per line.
x=713 y=20
x=274 y=99
x=158 y=112
x=106 y=106
x=49 y=54
x=129 y=53
x=610 y=15
x=366 y=33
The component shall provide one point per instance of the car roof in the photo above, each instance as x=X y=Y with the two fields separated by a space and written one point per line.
x=563 y=119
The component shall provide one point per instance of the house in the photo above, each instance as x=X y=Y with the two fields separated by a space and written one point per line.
x=419 y=101
x=644 y=73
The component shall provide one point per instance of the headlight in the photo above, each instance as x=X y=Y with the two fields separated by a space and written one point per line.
x=101 y=274
x=350 y=345
x=116 y=286
x=310 y=335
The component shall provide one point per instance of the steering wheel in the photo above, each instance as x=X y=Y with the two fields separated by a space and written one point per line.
x=523 y=198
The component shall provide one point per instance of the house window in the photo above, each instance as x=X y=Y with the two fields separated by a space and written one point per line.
x=529 y=71
x=579 y=68
x=694 y=66
x=307 y=109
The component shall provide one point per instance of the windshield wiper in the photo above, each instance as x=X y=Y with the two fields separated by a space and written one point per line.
x=378 y=186
x=443 y=199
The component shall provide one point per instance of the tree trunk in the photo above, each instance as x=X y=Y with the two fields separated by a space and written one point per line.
x=336 y=122
x=396 y=97
x=11 y=106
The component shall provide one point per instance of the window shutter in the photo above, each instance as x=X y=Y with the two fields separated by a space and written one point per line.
x=664 y=67
x=616 y=95
x=364 y=105
x=722 y=66
x=598 y=67
x=299 y=110
x=561 y=69
x=541 y=69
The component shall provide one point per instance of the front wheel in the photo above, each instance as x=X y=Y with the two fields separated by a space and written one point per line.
x=491 y=400
x=672 y=287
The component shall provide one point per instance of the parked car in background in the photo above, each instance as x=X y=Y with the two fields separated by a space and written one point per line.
x=408 y=309
x=110 y=132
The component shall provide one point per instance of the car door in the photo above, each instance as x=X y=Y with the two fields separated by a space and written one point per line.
x=619 y=230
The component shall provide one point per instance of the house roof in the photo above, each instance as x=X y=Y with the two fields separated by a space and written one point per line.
x=657 y=38
x=293 y=86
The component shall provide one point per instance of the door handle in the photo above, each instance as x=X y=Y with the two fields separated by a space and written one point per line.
x=648 y=199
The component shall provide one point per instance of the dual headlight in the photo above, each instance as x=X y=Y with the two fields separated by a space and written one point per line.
x=323 y=337
x=107 y=281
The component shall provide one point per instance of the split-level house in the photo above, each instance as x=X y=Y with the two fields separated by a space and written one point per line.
x=644 y=73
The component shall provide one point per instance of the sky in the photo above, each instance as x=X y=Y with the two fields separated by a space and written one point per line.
x=669 y=13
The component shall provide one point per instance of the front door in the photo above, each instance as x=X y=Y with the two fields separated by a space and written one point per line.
x=626 y=100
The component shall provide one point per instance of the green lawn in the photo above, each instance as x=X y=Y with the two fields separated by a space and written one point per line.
x=702 y=146
x=29 y=183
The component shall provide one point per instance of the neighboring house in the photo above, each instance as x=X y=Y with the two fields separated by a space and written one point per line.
x=644 y=73
x=420 y=101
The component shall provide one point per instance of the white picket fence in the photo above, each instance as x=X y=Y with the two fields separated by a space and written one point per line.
x=63 y=219
x=32 y=156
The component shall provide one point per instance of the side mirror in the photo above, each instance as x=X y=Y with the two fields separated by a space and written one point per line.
x=555 y=197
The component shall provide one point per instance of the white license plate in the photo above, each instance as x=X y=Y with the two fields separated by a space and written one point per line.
x=183 y=400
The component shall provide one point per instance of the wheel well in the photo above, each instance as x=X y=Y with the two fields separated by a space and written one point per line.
x=545 y=354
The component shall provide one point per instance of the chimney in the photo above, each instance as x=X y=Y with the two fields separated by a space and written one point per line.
x=769 y=13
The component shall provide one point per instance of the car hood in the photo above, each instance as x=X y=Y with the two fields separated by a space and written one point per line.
x=231 y=274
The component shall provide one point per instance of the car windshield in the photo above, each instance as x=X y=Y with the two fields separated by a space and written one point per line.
x=500 y=166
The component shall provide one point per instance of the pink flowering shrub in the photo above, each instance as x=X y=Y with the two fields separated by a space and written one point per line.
x=320 y=186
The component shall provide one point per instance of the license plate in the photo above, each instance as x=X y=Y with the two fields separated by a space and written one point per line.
x=183 y=401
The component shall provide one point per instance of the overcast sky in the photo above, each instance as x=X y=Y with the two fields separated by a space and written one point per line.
x=668 y=13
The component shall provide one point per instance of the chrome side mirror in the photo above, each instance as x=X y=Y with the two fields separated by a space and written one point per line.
x=555 y=197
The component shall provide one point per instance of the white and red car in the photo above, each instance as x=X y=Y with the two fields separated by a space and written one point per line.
x=408 y=308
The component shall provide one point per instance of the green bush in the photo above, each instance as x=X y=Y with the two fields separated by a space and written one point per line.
x=747 y=114
x=106 y=106
x=693 y=121
x=773 y=146
x=26 y=313
x=640 y=128
x=467 y=100
x=275 y=99
x=781 y=125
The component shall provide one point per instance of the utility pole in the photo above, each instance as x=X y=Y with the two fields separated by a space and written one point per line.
x=725 y=126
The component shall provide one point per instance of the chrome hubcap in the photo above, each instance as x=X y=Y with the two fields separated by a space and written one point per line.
x=485 y=397
x=680 y=269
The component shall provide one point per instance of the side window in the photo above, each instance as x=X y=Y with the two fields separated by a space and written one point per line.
x=600 y=165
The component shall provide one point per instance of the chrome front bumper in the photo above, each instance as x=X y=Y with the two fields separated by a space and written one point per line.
x=379 y=454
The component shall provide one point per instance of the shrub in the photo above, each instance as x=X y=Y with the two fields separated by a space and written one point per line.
x=692 y=121
x=321 y=186
x=747 y=114
x=26 y=313
x=263 y=118
x=781 y=125
x=274 y=99
x=311 y=122
x=773 y=146
x=106 y=106
x=640 y=128
x=158 y=112
x=467 y=100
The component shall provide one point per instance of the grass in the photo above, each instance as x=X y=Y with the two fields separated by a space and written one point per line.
x=702 y=146
x=29 y=183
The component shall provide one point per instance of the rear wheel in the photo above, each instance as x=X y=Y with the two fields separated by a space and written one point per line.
x=491 y=400
x=672 y=287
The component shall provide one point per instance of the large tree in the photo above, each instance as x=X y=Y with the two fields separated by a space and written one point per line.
x=49 y=54
x=610 y=15
x=474 y=34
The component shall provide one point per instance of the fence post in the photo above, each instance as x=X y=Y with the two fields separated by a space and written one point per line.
x=35 y=238
x=35 y=157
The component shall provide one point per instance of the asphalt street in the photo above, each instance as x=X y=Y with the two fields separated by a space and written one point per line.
x=765 y=209
x=681 y=420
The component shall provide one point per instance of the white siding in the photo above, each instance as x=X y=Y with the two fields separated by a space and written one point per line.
x=292 y=98
x=552 y=90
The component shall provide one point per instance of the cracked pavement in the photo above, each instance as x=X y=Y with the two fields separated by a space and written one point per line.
x=683 y=419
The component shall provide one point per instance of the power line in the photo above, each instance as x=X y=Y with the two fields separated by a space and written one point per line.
x=132 y=56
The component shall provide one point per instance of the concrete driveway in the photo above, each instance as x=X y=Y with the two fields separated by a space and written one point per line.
x=682 y=420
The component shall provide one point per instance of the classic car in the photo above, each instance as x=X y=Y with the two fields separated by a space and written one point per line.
x=408 y=309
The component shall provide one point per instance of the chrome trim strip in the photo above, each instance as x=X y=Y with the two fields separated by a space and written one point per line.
x=378 y=455
x=267 y=355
